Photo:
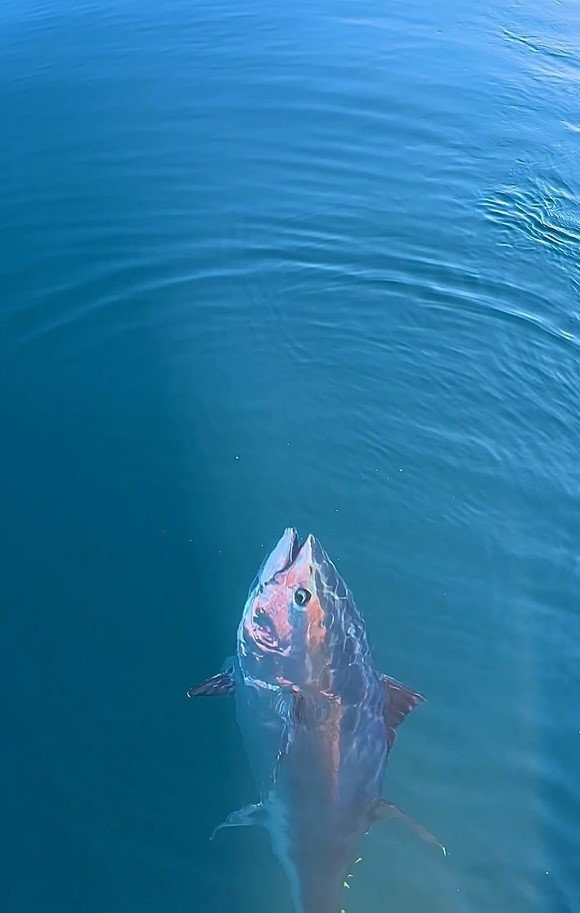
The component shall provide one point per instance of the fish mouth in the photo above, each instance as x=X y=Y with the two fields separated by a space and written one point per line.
x=295 y=547
x=282 y=556
x=305 y=550
x=286 y=553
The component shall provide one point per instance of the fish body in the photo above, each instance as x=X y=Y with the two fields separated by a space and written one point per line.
x=317 y=718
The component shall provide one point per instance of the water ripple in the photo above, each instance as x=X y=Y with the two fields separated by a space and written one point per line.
x=548 y=47
x=541 y=208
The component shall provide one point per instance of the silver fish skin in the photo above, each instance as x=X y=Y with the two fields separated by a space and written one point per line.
x=317 y=718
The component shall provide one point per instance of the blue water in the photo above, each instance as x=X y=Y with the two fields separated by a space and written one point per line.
x=314 y=264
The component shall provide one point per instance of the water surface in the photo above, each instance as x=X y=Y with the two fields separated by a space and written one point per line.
x=313 y=265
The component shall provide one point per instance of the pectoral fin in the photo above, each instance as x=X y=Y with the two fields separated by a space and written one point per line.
x=244 y=817
x=399 y=701
x=384 y=809
x=223 y=683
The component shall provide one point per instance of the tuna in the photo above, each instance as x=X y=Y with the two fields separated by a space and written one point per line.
x=317 y=718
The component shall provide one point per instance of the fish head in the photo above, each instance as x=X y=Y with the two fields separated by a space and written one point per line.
x=286 y=632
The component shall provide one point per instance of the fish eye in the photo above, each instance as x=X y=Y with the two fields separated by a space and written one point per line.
x=302 y=596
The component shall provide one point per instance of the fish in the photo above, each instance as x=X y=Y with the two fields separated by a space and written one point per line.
x=317 y=718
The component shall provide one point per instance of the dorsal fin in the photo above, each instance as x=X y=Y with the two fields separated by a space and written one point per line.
x=399 y=701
